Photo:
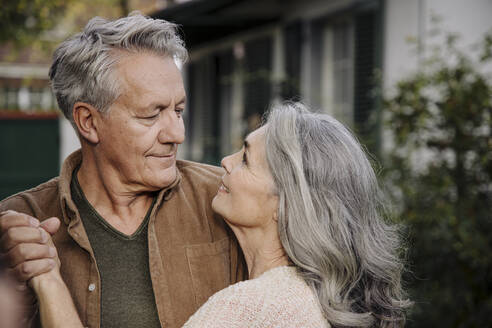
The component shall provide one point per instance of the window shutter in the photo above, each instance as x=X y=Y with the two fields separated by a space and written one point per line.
x=291 y=88
x=366 y=62
x=257 y=77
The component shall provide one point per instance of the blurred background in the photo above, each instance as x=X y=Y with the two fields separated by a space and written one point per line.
x=412 y=78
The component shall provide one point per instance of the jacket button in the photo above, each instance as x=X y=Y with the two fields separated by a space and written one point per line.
x=92 y=287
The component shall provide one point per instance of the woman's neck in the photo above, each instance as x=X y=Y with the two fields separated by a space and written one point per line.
x=261 y=247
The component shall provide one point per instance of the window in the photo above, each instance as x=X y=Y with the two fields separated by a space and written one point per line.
x=337 y=71
x=257 y=80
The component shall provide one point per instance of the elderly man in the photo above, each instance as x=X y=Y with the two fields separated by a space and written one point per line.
x=138 y=242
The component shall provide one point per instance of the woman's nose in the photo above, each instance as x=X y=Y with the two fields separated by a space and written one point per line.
x=226 y=164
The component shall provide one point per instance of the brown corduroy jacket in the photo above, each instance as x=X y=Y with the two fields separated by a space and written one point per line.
x=192 y=253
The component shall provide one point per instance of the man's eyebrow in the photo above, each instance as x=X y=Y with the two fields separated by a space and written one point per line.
x=181 y=101
x=155 y=104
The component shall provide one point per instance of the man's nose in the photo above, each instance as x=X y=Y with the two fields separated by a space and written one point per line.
x=172 y=129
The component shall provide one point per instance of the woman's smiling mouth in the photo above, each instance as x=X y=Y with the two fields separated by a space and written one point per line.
x=223 y=188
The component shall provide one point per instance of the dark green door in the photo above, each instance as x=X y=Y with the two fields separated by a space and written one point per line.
x=29 y=151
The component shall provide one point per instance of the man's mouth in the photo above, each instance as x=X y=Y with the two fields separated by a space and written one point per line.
x=165 y=152
x=163 y=155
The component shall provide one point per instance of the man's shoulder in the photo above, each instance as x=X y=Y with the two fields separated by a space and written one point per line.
x=199 y=172
x=32 y=200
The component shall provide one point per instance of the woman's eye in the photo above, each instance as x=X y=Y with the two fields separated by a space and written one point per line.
x=179 y=112
x=245 y=160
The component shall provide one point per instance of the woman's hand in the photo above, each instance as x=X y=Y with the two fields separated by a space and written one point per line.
x=56 y=306
x=26 y=251
x=48 y=280
x=53 y=276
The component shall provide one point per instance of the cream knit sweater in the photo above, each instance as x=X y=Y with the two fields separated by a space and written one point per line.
x=277 y=298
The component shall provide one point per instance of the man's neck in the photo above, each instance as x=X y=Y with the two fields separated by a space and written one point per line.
x=121 y=207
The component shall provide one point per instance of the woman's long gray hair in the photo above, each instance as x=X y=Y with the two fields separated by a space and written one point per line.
x=330 y=219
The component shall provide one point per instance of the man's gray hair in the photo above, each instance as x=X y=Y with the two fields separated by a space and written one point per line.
x=331 y=220
x=83 y=65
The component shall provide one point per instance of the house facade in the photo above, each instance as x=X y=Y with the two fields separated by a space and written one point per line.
x=247 y=55
x=244 y=56
x=331 y=54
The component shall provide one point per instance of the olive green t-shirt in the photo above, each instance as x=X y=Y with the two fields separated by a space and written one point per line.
x=127 y=297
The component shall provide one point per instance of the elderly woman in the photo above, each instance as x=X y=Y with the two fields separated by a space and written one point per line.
x=304 y=204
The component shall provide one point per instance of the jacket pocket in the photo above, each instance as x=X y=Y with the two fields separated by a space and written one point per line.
x=209 y=266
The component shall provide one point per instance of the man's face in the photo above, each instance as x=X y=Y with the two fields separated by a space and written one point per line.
x=139 y=137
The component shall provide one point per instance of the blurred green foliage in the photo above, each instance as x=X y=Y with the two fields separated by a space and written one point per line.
x=440 y=171
x=22 y=21
x=42 y=24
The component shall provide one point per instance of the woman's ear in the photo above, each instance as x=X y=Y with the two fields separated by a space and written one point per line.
x=275 y=216
x=85 y=117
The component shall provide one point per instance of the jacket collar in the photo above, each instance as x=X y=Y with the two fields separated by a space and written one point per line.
x=69 y=210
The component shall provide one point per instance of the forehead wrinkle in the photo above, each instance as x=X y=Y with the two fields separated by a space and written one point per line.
x=135 y=78
x=165 y=99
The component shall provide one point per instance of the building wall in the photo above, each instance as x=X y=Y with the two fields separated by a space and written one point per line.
x=406 y=21
x=409 y=20
x=69 y=141
x=210 y=134
x=320 y=52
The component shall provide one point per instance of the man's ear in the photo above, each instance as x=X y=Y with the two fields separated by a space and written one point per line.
x=86 y=118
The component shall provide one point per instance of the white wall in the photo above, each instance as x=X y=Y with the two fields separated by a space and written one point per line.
x=411 y=19
x=69 y=141
x=401 y=23
x=470 y=18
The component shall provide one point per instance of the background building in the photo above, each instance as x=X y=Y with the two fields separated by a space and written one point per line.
x=34 y=136
x=331 y=54
x=245 y=55
x=432 y=131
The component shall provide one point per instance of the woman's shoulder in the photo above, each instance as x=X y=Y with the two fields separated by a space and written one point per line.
x=276 y=279
x=254 y=294
x=292 y=303
x=236 y=306
x=272 y=284
x=277 y=298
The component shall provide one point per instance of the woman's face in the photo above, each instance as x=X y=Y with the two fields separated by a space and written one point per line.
x=247 y=195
